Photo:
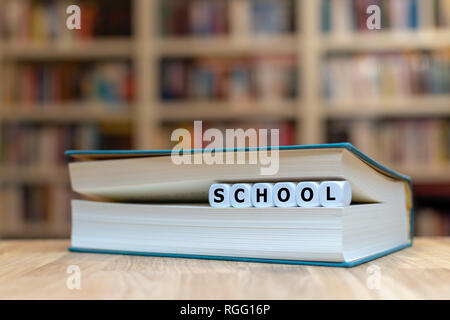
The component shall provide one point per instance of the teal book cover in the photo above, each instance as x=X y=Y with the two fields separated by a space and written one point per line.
x=110 y=154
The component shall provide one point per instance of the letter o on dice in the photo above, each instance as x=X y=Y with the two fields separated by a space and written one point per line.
x=335 y=193
x=284 y=194
x=307 y=194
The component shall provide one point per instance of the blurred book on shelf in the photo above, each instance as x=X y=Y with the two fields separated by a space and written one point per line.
x=432 y=222
x=344 y=16
x=287 y=132
x=386 y=75
x=351 y=15
x=268 y=77
x=407 y=144
x=37 y=21
x=34 y=193
x=193 y=17
x=272 y=16
x=35 y=210
x=40 y=84
x=37 y=145
x=212 y=17
x=432 y=214
x=442 y=13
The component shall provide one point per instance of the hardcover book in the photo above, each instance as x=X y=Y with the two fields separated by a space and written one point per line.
x=142 y=203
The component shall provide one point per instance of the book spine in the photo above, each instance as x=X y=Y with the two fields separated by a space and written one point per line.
x=41 y=21
x=265 y=77
x=50 y=83
x=338 y=16
x=407 y=144
x=43 y=146
x=39 y=206
x=193 y=17
x=391 y=75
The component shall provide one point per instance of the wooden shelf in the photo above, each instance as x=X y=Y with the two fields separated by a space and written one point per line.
x=388 y=40
x=419 y=106
x=67 y=112
x=225 y=45
x=114 y=48
x=249 y=111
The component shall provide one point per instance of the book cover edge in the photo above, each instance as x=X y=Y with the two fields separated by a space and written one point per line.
x=345 y=145
x=244 y=259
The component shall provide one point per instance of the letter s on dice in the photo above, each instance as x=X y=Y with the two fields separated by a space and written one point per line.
x=281 y=194
x=219 y=195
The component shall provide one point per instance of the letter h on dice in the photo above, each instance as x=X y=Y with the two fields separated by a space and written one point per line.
x=262 y=195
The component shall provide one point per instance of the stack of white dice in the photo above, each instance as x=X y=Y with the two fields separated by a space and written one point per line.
x=281 y=194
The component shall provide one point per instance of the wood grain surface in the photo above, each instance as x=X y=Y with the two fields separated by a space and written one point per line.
x=37 y=269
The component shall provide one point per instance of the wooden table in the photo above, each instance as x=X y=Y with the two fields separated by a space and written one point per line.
x=38 y=270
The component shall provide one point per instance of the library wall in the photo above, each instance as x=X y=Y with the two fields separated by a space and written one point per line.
x=139 y=69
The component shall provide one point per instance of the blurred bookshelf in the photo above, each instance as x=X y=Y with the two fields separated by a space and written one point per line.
x=138 y=69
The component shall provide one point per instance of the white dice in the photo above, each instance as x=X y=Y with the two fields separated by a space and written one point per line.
x=335 y=193
x=219 y=195
x=281 y=194
x=284 y=194
x=307 y=194
x=262 y=195
x=240 y=195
